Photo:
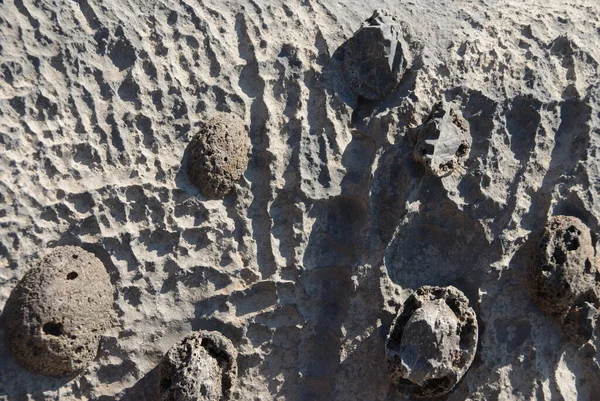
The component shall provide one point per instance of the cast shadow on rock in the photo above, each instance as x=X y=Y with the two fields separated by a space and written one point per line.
x=146 y=389
x=328 y=292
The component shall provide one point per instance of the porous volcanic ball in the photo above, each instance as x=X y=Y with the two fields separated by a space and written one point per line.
x=218 y=155
x=58 y=311
x=202 y=367
x=375 y=59
x=432 y=341
x=563 y=275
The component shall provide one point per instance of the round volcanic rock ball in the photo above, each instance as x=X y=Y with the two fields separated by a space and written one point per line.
x=375 y=60
x=57 y=313
x=218 y=155
x=563 y=275
x=202 y=367
x=432 y=341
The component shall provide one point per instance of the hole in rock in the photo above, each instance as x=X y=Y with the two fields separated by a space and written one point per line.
x=53 y=329
x=72 y=276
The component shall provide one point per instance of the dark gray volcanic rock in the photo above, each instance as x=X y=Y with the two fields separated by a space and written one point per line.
x=432 y=342
x=218 y=155
x=202 y=367
x=443 y=143
x=58 y=312
x=564 y=278
x=375 y=59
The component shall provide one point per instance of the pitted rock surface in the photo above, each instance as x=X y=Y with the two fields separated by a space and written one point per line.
x=333 y=224
x=432 y=341
x=563 y=276
x=444 y=141
x=202 y=367
x=218 y=155
x=57 y=313
x=375 y=59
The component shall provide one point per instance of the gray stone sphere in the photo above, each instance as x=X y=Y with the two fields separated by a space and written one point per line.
x=563 y=276
x=57 y=313
x=375 y=59
x=202 y=367
x=218 y=155
x=432 y=341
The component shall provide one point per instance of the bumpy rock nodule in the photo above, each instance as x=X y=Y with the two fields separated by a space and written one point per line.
x=564 y=278
x=375 y=59
x=202 y=367
x=432 y=341
x=218 y=155
x=443 y=143
x=57 y=313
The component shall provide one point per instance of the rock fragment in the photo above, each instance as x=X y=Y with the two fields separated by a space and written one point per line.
x=563 y=276
x=218 y=155
x=375 y=58
x=443 y=143
x=432 y=341
x=202 y=367
x=57 y=313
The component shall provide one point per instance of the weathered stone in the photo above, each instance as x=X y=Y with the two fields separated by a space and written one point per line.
x=375 y=59
x=564 y=278
x=218 y=155
x=443 y=143
x=432 y=341
x=202 y=367
x=57 y=313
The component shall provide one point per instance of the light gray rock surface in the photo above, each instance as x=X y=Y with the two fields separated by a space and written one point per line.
x=57 y=314
x=334 y=223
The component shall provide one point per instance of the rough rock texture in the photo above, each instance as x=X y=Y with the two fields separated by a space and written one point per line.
x=374 y=59
x=202 y=367
x=58 y=312
x=218 y=155
x=563 y=275
x=432 y=341
x=443 y=143
x=334 y=224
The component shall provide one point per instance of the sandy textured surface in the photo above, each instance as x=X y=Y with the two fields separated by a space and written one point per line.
x=334 y=223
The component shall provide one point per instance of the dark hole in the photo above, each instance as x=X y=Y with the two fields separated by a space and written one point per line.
x=75 y=256
x=462 y=150
x=559 y=256
x=571 y=238
x=454 y=304
x=72 y=276
x=53 y=329
x=467 y=335
x=588 y=266
x=78 y=350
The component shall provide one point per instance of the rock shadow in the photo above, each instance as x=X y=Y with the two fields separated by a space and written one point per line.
x=328 y=292
x=440 y=245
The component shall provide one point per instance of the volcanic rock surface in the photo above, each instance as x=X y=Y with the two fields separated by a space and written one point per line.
x=218 y=155
x=202 y=367
x=432 y=341
x=564 y=277
x=58 y=312
x=334 y=224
